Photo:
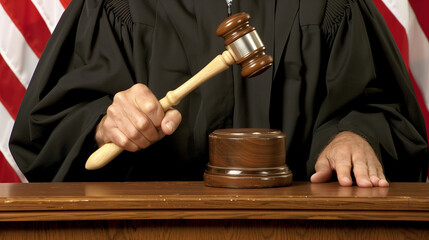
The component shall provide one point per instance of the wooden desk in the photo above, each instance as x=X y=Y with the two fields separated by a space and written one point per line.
x=188 y=210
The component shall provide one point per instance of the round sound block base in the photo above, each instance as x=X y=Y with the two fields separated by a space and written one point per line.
x=247 y=177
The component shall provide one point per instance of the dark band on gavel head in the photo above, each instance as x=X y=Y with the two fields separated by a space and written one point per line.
x=244 y=44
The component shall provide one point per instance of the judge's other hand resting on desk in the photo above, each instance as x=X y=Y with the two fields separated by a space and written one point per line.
x=135 y=120
x=349 y=152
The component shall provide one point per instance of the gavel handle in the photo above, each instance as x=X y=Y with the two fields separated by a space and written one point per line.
x=220 y=63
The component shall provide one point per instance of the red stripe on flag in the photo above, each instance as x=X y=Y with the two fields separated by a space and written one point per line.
x=65 y=3
x=401 y=39
x=421 y=9
x=11 y=89
x=29 y=22
x=7 y=174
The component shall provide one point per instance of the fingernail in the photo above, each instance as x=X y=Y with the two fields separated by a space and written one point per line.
x=170 y=126
x=383 y=183
x=347 y=179
x=368 y=182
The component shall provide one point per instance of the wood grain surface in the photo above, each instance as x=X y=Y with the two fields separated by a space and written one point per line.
x=189 y=210
x=193 y=200
x=215 y=229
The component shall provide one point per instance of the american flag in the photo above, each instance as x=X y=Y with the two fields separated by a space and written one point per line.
x=26 y=25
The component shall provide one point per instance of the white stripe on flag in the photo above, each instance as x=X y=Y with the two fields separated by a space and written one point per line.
x=418 y=44
x=15 y=50
x=400 y=9
x=50 y=11
x=5 y=131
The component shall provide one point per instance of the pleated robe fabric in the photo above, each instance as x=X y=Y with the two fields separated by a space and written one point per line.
x=336 y=68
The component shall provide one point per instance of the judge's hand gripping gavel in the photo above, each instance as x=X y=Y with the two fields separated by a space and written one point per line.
x=243 y=47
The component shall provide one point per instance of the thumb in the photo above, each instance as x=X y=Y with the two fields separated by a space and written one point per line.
x=171 y=121
x=323 y=170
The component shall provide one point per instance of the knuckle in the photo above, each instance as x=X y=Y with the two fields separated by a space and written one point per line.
x=119 y=97
x=342 y=149
x=340 y=153
x=105 y=130
x=134 y=134
x=153 y=137
x=127 y=144
x=142 y=124
x=145 y=144
x=104 y=123
x=133 y=148
x=111 y=111
x=149 y=107
x=122 y=142
x=140 y=88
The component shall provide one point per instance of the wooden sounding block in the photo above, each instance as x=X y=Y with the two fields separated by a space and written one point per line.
x=247 y=158
x=243 y=47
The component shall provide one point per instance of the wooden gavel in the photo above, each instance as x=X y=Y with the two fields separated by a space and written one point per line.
x=243 y=47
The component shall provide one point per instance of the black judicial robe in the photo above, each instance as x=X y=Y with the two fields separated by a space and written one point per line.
x=336 y=68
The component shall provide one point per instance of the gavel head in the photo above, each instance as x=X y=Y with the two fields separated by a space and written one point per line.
x=244 y=44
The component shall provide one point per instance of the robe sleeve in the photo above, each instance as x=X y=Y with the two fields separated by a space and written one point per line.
x=86 y=61
x=368 y=91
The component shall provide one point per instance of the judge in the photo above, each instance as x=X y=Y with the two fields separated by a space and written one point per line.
x=338 y=90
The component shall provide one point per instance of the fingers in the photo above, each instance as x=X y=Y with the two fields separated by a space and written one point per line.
x=367 y=168
x=376 y=174
x=323 y=171
x=107 y=131
x=360 y=170
x=333 y=159
x=125 y=133
x=135 y=120
x=349 y=153
x=343 y=165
